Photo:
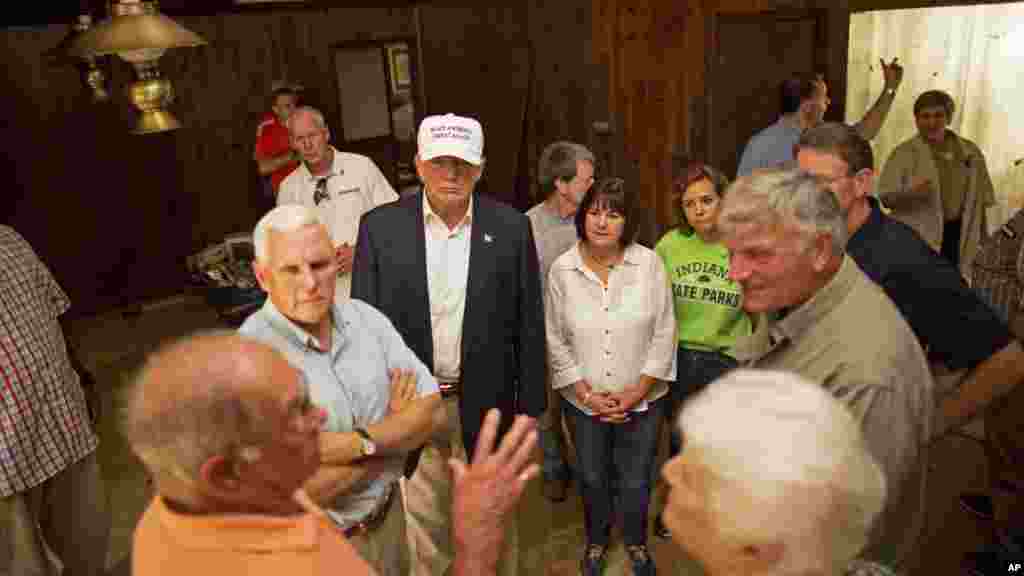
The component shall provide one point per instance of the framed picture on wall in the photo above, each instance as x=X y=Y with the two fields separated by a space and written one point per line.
x=363 y=92
x=398 y=60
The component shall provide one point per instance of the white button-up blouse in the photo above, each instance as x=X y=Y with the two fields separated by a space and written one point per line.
x=610 y=335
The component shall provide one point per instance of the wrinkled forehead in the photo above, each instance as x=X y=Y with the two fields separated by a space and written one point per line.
x=303 y=123
x=759 y=233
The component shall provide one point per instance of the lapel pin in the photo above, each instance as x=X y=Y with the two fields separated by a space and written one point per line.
x=488 y=238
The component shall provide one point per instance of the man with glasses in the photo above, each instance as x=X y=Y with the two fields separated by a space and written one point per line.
x=380 y=401
x=229 y=483
x=339 y=186
x=565 y=172
x=457 y=274
x=804 y=103
x=975 y=358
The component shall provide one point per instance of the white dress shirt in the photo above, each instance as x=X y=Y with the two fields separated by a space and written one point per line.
x=354 y=186
x=610 y=335
x=447 y=272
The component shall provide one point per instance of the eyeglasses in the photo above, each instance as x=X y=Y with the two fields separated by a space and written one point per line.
x=320 y=193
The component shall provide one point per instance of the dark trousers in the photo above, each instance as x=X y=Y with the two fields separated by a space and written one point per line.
x=625 y=451
x=695 y=369
x=951 y=241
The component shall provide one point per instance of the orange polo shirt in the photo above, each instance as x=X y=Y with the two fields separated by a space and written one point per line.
x=175 y=544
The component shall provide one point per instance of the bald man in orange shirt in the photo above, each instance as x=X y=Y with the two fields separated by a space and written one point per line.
x=227 y=429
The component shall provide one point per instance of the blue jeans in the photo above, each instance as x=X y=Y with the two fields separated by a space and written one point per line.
x=552 y=444
x=695 y=369
x=625 y=452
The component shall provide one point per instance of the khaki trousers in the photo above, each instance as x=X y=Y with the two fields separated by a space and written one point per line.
x=67 y=514
x=428 y=502
x=384 y=547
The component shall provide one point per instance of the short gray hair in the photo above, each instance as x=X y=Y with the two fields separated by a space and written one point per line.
x=798 y=448
x=792 y=197
x=175 y=431
x=558 y=162
x=318 y=117
x=284 y=218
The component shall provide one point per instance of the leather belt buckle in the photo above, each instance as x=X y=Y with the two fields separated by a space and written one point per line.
x=449 y=389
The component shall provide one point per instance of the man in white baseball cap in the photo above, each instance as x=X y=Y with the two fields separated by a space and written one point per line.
x=457 y=274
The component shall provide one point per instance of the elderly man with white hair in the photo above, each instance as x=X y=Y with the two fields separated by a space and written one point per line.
x=819 y=315
x=380 y=400
x=792 y=492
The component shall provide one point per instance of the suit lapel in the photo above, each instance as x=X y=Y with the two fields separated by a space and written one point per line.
x=419 y=296
x=479 y=263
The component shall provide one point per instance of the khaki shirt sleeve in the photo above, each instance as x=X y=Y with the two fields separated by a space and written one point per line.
x=887 y=423
x=895 y=175
x=985 y=189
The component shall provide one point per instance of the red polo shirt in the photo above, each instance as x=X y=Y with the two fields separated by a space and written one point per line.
x=272 y=140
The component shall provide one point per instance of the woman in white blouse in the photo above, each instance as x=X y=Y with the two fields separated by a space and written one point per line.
x=611 y=336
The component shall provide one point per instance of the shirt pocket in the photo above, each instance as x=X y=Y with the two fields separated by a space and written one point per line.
x=634 y=299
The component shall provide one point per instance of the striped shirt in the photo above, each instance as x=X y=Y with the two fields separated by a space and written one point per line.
x=44 y=422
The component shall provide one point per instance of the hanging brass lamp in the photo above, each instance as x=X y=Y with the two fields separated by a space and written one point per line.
x=139 y=34
x=93 y=76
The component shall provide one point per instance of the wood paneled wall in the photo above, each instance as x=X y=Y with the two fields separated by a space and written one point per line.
x=655 y=52
x=114 y=215
x=223 y=89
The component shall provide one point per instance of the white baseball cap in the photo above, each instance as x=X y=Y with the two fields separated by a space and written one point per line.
x=451 y=135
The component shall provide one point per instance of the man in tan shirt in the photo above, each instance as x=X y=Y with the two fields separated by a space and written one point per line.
x=818 y=315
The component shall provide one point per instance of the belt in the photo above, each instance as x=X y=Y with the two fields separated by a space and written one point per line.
x=373 y=519
x=449 y=388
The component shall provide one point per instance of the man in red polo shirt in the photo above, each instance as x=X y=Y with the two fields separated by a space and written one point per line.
x=274 y=155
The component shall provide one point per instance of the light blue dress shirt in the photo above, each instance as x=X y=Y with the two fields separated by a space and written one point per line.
x=770 y=147
x=350 y=382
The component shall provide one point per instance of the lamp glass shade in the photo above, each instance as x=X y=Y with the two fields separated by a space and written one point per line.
x=132 y=33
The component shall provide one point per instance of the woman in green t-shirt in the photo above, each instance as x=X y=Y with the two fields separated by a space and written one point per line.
x=708 y=305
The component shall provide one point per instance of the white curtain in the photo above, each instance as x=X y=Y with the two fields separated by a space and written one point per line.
x=976 y=54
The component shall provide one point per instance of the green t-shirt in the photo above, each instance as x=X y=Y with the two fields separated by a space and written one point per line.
x=708 y=305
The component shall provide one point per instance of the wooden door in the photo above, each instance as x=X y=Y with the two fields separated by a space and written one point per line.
x=749 y=56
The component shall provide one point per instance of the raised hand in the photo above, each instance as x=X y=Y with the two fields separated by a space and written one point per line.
x=487 y=489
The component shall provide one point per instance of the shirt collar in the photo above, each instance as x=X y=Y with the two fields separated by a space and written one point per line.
x=801 y=318
x=631 y=256
x=429 y=214
x=299 y=337
x=241 y=532
x=331 y=173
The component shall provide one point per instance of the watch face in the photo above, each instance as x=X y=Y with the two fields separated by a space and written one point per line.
x=369 y=447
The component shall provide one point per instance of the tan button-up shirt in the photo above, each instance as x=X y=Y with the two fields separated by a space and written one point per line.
x=447 y=273
x=850 y=338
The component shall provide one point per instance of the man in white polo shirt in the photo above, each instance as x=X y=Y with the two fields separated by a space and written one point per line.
x=339 y=186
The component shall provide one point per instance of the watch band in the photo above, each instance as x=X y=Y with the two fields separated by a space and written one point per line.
x=362 y=432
